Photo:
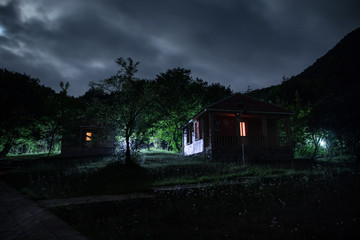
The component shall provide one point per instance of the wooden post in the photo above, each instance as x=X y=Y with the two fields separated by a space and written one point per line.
x=201 y=130
x=211 y=125
x=202 y=134
x=239 y=137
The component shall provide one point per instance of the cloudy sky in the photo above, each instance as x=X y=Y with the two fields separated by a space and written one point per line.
x=235 y=42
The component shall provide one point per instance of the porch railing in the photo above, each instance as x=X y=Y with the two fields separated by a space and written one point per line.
x=249 y=141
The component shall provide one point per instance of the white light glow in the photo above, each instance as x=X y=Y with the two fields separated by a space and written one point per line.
x=322 y=143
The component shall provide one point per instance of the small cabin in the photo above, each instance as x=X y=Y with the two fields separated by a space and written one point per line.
x=87 y=139
x=240 y=128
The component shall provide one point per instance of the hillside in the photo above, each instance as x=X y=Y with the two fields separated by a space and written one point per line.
x=331 y=87
x=340 y=67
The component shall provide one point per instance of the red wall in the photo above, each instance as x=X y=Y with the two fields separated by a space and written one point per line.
x=227 y=126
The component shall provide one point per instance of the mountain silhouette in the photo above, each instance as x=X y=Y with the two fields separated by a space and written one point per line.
x=337 y=72
x=330 y=88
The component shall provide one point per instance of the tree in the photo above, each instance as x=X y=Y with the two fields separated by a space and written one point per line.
x=61 y=110
x=22 y=101
x=126 y=100
x=179 y=98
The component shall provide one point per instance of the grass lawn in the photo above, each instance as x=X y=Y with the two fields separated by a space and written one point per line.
x=319 y=201
x=42 y=178
x=312 y=206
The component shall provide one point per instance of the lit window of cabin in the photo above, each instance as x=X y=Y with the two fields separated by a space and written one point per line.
x=88 y=136
x=242 y=129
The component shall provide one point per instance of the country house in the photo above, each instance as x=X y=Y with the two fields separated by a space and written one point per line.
x=240 y=128
x=85 y=138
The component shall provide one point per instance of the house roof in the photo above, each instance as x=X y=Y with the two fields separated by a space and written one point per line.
x=240 y=102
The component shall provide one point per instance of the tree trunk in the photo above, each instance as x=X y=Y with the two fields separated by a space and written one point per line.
x=6 y=149
x=52 y=141
x=316 y=148
x=127 y=152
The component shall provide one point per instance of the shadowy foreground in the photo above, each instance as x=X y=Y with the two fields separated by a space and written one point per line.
x=316 y=201
x=324 y=205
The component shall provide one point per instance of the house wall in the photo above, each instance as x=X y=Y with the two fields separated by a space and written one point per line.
x=261 y=142
x=205 y=127
x=253 y=155
x=74 y=142
x=227 y=125
x=197 y=146
x=86 y=152
x=254 y=127
x=272 y=127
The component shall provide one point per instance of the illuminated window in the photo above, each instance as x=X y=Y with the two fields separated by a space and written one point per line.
x=242 y=129
x=197 y=130
x=88 y=136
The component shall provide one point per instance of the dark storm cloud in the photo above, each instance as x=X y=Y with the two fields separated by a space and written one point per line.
x=237 y=43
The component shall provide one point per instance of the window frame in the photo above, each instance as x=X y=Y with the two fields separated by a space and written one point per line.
x=189 y=135
x=88 y=136
x=197 y=130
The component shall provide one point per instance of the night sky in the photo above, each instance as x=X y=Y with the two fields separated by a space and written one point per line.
x=235 y=42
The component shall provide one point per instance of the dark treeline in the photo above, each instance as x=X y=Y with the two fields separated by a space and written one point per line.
x=324 y=98
x=32 y=114
x=139 y=110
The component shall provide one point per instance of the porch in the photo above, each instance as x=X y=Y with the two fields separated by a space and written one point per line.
x=231 y=142
x=251 y=149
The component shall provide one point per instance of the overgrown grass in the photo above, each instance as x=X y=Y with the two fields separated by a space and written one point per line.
x=311 y=201
x=60 y=178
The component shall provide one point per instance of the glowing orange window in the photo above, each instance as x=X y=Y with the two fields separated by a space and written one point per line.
x=88 y=136
x=242 y=129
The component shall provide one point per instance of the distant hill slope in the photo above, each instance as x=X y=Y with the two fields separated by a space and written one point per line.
x=331 y=87
x=336 y=72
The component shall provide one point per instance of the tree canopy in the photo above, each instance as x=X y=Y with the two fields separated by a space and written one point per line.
x=22 y=103
x=126 y=99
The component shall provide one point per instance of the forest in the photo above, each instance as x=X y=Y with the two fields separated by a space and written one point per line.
x=140 y=111
x=144 y=112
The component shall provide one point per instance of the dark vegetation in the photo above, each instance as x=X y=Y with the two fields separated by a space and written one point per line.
x=226 y=201
x=151 y=112
x=142 y=112
x=318 y=200
x=325 y=98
